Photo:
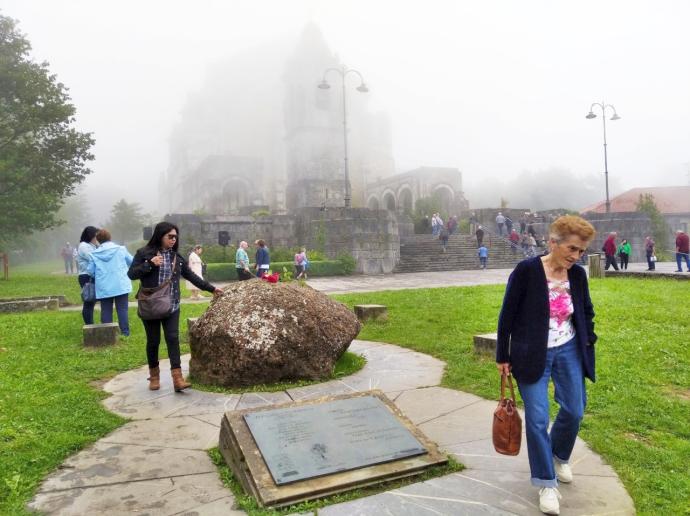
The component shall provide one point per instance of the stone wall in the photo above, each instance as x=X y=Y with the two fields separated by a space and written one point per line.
x=370 y=236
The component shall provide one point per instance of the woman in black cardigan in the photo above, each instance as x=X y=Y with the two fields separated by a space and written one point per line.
x=153 y=265
x=546 y=331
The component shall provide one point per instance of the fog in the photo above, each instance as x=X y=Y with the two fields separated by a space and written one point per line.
x=497 y=89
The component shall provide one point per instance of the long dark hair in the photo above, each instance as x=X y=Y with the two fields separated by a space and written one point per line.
x=162 y=229
x=88 y=234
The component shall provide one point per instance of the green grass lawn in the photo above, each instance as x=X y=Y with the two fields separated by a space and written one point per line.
x=637 y=417
x=638 y=413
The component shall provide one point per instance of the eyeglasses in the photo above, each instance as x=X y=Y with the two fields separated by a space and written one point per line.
x=172 y=237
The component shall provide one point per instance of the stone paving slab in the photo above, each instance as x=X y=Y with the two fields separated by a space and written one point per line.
x=167 y=496
x=180 y=432
x=157 y=463
x=105 y=463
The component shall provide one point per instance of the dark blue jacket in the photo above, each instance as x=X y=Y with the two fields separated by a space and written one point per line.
x=262 y=257
x=523 y=326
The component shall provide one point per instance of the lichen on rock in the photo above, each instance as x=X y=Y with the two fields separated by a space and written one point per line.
x=258 y=332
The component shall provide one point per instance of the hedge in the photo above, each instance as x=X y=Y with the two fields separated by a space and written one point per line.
x=227 y=271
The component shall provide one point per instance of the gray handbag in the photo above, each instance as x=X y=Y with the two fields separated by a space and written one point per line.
x=156 y=302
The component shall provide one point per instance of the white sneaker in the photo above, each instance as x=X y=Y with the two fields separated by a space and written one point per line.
x=563 y=472
x=548 y=500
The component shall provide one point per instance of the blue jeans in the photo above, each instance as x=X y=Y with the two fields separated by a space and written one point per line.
x=121 y=305
x=564 y=366
x=679 y=260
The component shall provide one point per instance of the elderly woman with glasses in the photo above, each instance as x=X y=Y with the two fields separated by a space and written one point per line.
x=546 y=333
x=154 y=264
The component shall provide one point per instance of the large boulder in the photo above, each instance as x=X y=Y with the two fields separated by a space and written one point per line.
x=258 y=332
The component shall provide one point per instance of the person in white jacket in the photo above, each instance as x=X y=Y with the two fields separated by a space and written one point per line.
x=197 y=265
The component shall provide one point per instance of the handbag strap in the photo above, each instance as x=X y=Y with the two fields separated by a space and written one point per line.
x=509 y=379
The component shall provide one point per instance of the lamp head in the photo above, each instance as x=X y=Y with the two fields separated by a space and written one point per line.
x=615 y=117
x=362 y=88
x=324 y=85
x=591 y=115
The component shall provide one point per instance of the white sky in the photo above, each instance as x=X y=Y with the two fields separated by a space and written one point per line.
x=490 y=87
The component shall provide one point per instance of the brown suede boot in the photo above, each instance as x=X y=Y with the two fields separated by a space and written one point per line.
x=154 y=378
x=179 y=382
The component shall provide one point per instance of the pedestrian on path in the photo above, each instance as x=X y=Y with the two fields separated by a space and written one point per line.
x=301 y=264
x=262 y=258
x=67 y=254
x=546 y=332
x=624 y=253
x=610 y=251
x=87 y=245
x=483 y=254
x=108 y=266
x=682 y=251
x=242 y=262
x=155 y=264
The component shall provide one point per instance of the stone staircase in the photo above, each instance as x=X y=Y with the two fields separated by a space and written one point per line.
x=420 y=253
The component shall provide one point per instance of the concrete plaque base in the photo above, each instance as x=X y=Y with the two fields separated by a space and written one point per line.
x=485 y=343
x=248 y=465
x=97 y=335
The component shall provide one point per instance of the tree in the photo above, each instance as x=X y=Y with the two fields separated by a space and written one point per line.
x=647 y=204
x=42 y=157
x=126 y=221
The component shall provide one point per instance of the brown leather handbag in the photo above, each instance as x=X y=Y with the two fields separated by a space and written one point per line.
x=507 y=427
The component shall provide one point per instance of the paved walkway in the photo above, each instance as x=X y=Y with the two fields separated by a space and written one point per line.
x=157 y=464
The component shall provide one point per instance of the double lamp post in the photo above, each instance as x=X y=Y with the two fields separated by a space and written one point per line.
x=362 y=88
x=615 y=116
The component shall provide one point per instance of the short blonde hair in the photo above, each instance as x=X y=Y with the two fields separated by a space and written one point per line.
x=103 y=235
x=568 y=225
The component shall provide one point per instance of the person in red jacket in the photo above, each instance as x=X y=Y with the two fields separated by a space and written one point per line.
x=610 y=251
x=682 y=250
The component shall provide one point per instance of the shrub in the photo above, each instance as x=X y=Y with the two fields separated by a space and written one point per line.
x=347 y=262
x=227 y=271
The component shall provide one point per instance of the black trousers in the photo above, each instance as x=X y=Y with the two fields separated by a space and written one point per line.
x=624 y=260
x=171 y=331
x=243 y=275
x=610 y=260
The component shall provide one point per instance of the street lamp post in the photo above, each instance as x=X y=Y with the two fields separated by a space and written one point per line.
x=615 y=116
x=343 y=72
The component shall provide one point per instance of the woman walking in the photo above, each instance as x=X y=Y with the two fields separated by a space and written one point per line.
x=155 y=264
x=87 y=245
x=108 y=265
x=263 y=259
x=546 y=332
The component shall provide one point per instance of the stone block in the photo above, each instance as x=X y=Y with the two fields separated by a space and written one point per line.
x=98 y=335
x=373 y=312
x=485 y=343
x=29 y=304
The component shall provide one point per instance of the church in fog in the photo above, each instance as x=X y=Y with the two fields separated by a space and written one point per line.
x=260 y=136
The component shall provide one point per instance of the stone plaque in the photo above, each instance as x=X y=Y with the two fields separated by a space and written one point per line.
x=315 y=440
x=249 y=464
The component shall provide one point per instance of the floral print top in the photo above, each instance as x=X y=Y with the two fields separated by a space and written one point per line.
x=561 y=328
